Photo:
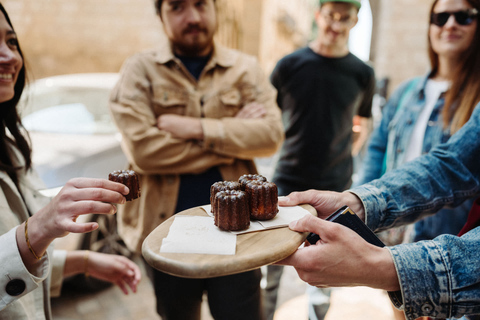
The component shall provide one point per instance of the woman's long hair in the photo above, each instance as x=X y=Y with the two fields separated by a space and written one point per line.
x=10 y=121
x=464 y=93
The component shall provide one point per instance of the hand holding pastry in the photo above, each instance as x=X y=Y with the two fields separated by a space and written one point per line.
x=79 y=196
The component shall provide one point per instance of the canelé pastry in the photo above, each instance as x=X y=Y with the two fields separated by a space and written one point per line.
x=231 y=210
x=263 y=200
x=246 y=178
x=128 y=178
x=221 y=186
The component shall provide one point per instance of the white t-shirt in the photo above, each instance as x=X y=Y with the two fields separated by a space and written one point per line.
x=433 y=90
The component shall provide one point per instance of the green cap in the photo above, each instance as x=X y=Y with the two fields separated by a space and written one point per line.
x=354 y=2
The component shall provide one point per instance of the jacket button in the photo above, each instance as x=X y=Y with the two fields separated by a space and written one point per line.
x=427 y=308
x=15 y=287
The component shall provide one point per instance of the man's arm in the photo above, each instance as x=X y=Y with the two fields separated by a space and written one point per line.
x=190 y=128
x=438 y=278
x=447 y=175
x=247 y=138
x=147 y=148
x=341 y=258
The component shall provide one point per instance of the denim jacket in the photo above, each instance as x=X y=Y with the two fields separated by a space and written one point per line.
x=389 y=142
x=391 y=138
x=439 y=278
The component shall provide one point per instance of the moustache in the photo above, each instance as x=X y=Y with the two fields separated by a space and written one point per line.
x=193 y=29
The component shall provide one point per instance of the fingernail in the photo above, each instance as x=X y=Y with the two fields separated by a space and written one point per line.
x=292 y=224
x=284 y=199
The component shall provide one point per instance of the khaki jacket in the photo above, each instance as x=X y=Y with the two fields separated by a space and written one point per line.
x=153 y=83
x=34 y=302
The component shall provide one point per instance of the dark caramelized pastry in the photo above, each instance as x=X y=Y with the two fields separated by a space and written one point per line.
x=263 y=200
x=231 y=210
x=128 y=178
x=246 y=178
x=221 y=186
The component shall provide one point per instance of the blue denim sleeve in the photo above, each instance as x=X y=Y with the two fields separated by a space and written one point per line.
x=372 y=163
x=447 y=175
x=440 y=278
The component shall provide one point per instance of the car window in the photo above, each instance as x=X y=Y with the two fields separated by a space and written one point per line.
x=68 y=111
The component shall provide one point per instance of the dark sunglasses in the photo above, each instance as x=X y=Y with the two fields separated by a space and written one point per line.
x=463 y=18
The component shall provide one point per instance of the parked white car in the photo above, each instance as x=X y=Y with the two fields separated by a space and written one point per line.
x=73 y=135
x=70 y=126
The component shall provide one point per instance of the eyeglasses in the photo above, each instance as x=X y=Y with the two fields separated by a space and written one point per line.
x=332 y=17
x=463 y=17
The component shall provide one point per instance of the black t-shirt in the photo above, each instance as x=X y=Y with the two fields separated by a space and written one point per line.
x=319 y=97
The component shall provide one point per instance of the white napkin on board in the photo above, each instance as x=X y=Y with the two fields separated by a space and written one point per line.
x=197 y=234
x=194 y=234
x=284 y=216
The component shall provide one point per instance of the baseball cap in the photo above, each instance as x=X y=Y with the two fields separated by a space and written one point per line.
x=356 y=3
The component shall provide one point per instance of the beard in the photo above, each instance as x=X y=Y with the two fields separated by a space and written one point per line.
x=193 y=44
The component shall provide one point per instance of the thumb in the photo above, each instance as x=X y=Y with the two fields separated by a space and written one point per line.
x=75 y=227
x=308 y=223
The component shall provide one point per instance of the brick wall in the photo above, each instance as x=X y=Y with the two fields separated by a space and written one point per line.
x=286 y=25
x=400 y=46
x=67 y=36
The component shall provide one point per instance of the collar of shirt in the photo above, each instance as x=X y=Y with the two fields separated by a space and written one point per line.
x=220 y=56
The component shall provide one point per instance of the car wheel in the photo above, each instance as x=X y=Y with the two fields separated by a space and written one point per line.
x=106 y=240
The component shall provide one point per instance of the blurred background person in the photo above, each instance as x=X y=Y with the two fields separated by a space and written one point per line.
x=191 y=114
x=424 y=111
x=31 y=270
x=320 y=89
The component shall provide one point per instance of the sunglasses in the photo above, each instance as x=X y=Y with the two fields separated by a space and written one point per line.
x=463 y=17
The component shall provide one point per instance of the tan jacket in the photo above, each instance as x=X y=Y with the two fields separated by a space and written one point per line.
x=154 y=83
x=34 y=302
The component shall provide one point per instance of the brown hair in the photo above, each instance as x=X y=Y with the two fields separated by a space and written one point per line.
x=464 y=93
x=158 y=7
x=10 y=120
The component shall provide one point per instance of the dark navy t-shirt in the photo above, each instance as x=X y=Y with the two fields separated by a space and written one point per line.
x=195 y=188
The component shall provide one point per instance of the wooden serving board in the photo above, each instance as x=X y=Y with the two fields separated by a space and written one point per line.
x=253 y=250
